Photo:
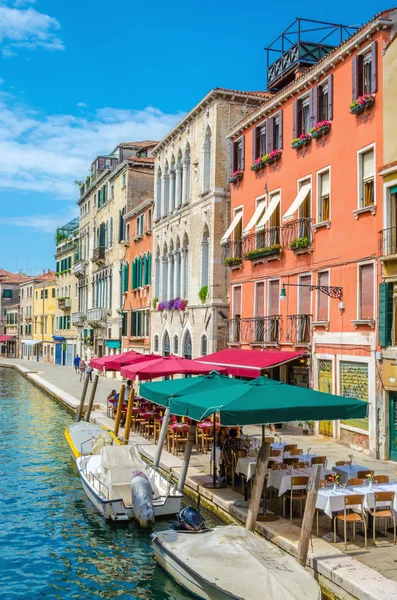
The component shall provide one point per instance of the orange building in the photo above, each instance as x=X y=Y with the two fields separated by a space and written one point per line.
x=306 y=209
x=137 y=278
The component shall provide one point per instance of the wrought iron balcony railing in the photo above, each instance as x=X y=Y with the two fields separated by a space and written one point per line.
x=298 y=329
x=257 y=330
x=233 y=249
x=298 y=234
x=263 y=243
x=98 y=254
x=388 y=242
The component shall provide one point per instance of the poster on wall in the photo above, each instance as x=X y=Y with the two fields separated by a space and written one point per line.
x=354 y=384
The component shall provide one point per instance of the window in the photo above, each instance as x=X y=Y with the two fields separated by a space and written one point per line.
x=238 y=155
x=364 y=72
x=366 y=299
x=273 y=308
x=41 y=294
x=277 y=132
x=94 y=199
x=88 y=206
x=176 y=344
x=304 y=307
x=267 y=136
x=149 y=219
x=21 y=292
x=7 y=293
x=367 y=73
x=156 y=343
x=124 y=180
x=187 y=347
x=37 y=294
x=323 y=196
x=366 y=178
x=111 y=191
x=259 y=299
x=260 y=133
x=53 y=293
x=305 y=115
x=323 y=101
x=204 y=343
x=322 y=299
x=139 y=225
x=46 y=294
x=302 y=115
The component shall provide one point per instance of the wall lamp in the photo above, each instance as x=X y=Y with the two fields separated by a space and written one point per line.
x=330 y=290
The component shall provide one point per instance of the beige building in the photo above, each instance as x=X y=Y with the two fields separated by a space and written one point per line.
x=26 y=319
x=189 y=279
x=67 y=253
x=115 y=186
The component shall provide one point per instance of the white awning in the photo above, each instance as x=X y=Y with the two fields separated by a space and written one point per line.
x=32 y=342
x=274 y=202
x=303 y=192
x=368 y=165
x=237 y=218
x=255 y=217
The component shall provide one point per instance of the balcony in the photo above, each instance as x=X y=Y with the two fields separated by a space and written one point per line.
x=97 y=317
x=256 y=331
x=233 y=253
x=78 y=319
x=298 y=235
x=388 y=243
x=263 y=245
x=64 y=302
x=79 y=268
x=298 y=329
x=98 y=254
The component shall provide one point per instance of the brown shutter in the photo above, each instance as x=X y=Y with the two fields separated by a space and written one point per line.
x=269 y=135
x=232 y=157
x=355 y=69
x=254 y=143
x=280 y=130
x=374 y=65
x=330 y=81
x=243 y=153
x=295 y=125
x=314 y=106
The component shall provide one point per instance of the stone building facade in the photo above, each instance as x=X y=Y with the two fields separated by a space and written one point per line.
x=189 y=279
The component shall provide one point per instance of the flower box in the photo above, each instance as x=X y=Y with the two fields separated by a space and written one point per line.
x=257 y=166
x=302 y=140
x=236 y=176
x=362 y=103
x=320 y=129
x=262 y=252
x=175 y=304
x=300 y=243
x=233 y=261
x=273 y=156
x=266 y=159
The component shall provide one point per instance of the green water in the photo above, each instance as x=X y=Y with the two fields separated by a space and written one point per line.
x=53 y=544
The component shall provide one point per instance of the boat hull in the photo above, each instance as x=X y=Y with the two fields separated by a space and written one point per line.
x=85 y=433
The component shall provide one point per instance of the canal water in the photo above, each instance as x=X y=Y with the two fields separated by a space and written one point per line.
x=52 y=543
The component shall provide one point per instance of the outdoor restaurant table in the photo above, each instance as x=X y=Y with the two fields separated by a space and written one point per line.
x=347 y=472
x=281 y=480
x=247 y=466
x=331 y=501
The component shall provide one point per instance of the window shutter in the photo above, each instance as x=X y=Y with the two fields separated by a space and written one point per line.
x=269 y=135
x=144 y=270
x=232 y=157
x=355 y=69
x=243 y=153
x=374 y=66
x=280 y=130
x=133 y=323
x=385 y=313
x=254 y=143
x=330 y=81
x=295 y=125
x=313 y=98
x=149 y=268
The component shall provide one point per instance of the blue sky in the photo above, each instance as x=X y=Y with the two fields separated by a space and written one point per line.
x=78 y=77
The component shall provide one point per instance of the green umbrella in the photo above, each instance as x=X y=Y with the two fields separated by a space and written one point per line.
x=265 y=400
x=161 y=392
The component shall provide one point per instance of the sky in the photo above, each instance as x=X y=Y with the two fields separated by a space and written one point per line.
x=79 y=76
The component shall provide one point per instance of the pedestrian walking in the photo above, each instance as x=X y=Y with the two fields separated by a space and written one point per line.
x=82 y=368
x=89 y=372
x=76 y=363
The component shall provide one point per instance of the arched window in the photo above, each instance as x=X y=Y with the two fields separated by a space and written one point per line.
x=158 y=194
x=207 y=151
x=184 y=267
x=187 y=346
x=156 y=343
x=157 y=274
x=205 y=241
x=172 y=184
x=178 y=181
x=166 y=344
x=166 y=190
x=176 y=344
x=203 y=349
x=186 y=176
x=164 y=270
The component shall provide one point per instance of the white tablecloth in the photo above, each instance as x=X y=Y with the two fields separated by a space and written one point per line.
x=247 y=466
x=347 y=472
x=281 y=480
x=331 y=501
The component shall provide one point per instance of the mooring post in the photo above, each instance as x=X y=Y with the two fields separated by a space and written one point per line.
x=259 y=482
x=83 y=395
x=91 y=401
x=119 y=410
x=129 y=416
x=308 y=516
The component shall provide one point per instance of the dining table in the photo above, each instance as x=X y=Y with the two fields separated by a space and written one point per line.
x=281 y=479
x=247 y=466
x=348 y=471
x=331 y=498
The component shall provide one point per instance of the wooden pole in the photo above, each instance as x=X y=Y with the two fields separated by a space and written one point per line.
x=83 y=395
x=129 y=416
x=259 y=482
x=119 y=410
x=162 y=436
x=307 y=523
x=91 y=401
x=186 y=457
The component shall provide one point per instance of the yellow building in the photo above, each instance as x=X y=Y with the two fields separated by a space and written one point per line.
x=44 y=311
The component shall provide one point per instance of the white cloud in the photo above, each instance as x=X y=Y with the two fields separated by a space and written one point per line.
x=82 y=105
x=27 y=29
x=20 y=3
x=43 y=223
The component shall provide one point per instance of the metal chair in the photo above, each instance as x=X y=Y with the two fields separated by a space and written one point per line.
x=341 y=463
x=236 y=454
x=319 y=460
x=356 y=481
x=382 y=478
x=290 y=447
x=296 y=451
x=296 y=495
x=355 y=501
x=382 y=498
x=363 y=474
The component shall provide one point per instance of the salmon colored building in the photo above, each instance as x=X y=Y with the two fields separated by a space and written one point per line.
x=137 y=277
x=306 y=209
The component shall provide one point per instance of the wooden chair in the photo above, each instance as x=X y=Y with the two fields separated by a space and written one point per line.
x=236 y=454
x=279 y=466
x=358 y=516
x=275 y=452
x=296 y=451
x=382 y=478
x=319 y=460
x=269 y=440
x=180 y=438
x=363 y=474
x=290 y=447
x=341 y=463
x=292 y=461
x=295 y=495
x=356 y=481
x=386 y=513
x=300 y=464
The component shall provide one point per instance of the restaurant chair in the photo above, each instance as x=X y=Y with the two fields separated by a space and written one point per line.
x=385 y=501
x=290 y=447
x=276 y=466
x=356 y=481
x=355 y=503
x=300 y=464
x=236 y=454
x=382 y=478
x=296 y=451
x=275 y=452
x=269 y=440
x=296 y=495
x=342 y=463
x=363 y=474
x=319 y=460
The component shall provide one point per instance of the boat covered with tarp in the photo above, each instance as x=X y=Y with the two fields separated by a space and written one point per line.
x=88 y=438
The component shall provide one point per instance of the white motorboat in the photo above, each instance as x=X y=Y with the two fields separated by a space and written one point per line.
x=231 y=562
x=106 y=479
x=81 y=438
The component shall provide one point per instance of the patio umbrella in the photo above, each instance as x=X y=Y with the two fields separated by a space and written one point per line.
x=163 y=366
x=116 y=361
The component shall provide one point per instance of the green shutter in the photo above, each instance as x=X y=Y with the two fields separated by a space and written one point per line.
x=144 y=270
x=149 y=268
x=385 y=313
x=105 y=192
x=125 y=278
x=124 y=325
x=140 y=272
x=133 y=323
x=57 y=267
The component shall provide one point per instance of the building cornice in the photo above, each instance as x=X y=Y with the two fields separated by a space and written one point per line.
x=138 y=209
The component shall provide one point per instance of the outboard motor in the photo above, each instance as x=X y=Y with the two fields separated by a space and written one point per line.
x=189 y=519
x=142 y=498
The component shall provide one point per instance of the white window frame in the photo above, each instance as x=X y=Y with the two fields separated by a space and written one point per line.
x=318 y=292
x=111 y=191
x=361 y=264
x=140 y=221
x=299 y=184
x=359 y=178
x=299 y=295
x=318 y=197
x=303 y=99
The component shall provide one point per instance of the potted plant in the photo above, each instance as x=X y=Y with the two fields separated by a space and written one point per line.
x=232 y=261
x=203 y=293
x=236 y=176
x=302 y=140
x=362 y=102
x=155 y=301
x=307 y=427
x=300 y=243
x=320 y=129
x=259 y=163
x=260 y=252
x=273 y=156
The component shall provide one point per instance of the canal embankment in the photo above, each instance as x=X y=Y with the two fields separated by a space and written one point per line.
x=341 y=575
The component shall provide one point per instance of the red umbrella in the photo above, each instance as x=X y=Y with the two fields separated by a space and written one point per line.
x=162 y=366
x=116 y=361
